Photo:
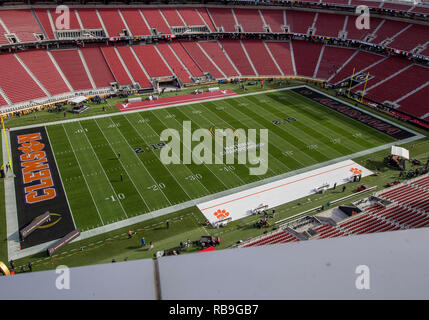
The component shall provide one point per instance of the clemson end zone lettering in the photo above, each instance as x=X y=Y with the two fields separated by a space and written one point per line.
x=38 y=187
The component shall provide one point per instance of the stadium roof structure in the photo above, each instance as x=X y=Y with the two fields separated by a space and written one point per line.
x=376 y=266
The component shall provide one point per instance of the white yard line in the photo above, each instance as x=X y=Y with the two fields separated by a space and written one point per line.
x=59 y=172
x=14 y=253
x=190 y=150
x=216 y=142
x=149 y=109
x=83 y=175
x=102 y=169
x=139 y=161
x=163 y=163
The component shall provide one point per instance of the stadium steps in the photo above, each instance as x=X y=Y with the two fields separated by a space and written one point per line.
x=97 y=66
x=229 y=58
x=223 y=17
x=86 y=69
x=134 y=66
x=136 y=22
x=102 y=23
x=112 y=21
x=156 y=20
x=299 y=21
x=274 y=19
x=282 y=54
x=219 y=58
x=272 y=57
x=249 y=19
x=381 y=71
x=180 y=61
x=125 y=22
x=332 y=60
x=329 y=24
x=16 y=82
x=45 y=22
x=201 y=59
x=71 y=65
x=3 y=39
x=360 y=62
x=316 y=69
x=124 y=65
x=389 y=30
x=78 y=19
x=190 y=16
x=176 y=66
x=90 y=19
x=205 y=15
x=306 y=56
x=260 y=58
x=63 y=76
x=42 y=67
x=238 y=56
x=151 y=61
x=186 y=59
x=416 y=103
x=22 y=23
x=172 y=17
x=385 y=90
x=4 y=100
x=120 y=74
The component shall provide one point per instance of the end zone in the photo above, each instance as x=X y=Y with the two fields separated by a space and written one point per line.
x=38 y=187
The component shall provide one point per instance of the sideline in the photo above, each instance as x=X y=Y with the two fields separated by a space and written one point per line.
x=11 y=214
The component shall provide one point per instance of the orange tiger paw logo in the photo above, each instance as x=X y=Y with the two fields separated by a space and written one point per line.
x=356 y=171
x=220 y=214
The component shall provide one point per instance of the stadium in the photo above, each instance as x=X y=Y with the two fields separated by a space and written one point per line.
x=95 y=96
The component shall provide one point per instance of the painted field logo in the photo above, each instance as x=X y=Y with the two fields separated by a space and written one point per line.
x=35 y=168
x=356 y=171
x=221 y=214
x=54 y=218
x=222 y=133
x=229 y=145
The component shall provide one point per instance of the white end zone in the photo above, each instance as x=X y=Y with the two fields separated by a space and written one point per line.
x=242 y=204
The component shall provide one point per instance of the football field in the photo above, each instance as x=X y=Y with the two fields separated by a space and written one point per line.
x=103 y=188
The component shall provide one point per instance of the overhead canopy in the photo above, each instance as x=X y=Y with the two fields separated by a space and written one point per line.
x=77 y=100
x=398 y=151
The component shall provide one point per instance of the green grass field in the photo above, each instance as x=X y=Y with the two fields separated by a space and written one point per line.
x=86 y=152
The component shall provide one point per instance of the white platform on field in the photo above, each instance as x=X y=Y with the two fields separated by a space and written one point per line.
x=241 y=204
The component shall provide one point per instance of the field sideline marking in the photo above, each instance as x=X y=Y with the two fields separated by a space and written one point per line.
x=191 y=150
x=273 y=133
x=95 y=154
x=138 y=159
x=218 y=142
x=167 y=210
x=150 y=109
x=59 y=172
x=156 y=155
x=83 y=175
x=279 y=186
x=330 y=130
